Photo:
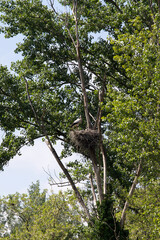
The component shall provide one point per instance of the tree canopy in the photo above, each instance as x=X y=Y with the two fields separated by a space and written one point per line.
x=37 y=215
x=98 y=60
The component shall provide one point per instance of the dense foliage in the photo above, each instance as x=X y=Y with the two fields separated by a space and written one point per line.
x=38 y=216
x=99 y=60
x=144 y=213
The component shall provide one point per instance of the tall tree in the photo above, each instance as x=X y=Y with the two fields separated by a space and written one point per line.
x=111 y=82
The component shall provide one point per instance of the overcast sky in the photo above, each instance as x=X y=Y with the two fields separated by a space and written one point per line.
x=29 y=167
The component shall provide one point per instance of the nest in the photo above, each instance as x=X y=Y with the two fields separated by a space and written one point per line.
x=85 y=139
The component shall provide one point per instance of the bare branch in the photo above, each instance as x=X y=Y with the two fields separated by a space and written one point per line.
x=78 y=195
x=65 y=20
x=104 y=158
x=93 y=191
x=92 y=117
x=77 y=47
x=52 y=181
x=151 y=7
x=82 y=78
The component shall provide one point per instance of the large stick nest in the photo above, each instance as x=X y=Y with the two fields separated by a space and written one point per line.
x=85 y=139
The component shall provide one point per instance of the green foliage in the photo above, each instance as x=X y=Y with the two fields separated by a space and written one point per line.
x=43 y=93
x=36 y=216
x=106 y=226
x=135 y=114
x=144 y=213
x=10 y=146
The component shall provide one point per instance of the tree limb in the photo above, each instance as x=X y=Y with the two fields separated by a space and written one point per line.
x=93 y=191
x=123 y=216
x=97 y=174
x=85 y=98
x=79 y=197
x=101 y=98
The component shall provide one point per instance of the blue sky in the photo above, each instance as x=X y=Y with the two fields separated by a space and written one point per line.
x=29 y=167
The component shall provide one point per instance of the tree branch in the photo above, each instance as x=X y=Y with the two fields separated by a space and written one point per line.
x=79 y=197
x=93 y=191
x=97 y=174
x=77 y=47
x=101 y=98
x=49 y=144
x=82 y=78
x=115 y=4
x=30 y=102
x=123 y=216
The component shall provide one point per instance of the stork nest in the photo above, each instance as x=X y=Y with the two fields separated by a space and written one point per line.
x=85 y=139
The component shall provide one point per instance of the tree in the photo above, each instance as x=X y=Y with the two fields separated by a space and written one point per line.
x=112 y=82
x=144 y=212
x=135 y=114
x=36 y=216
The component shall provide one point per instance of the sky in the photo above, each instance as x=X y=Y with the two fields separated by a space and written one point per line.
x=35 y=160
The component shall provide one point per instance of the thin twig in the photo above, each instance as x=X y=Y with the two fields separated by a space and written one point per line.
x=59 y=184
